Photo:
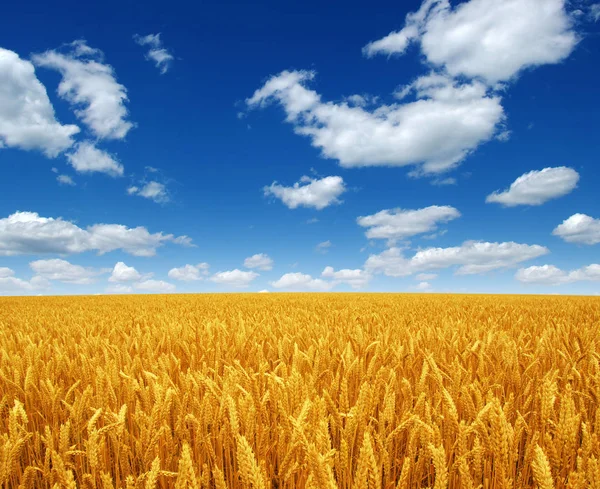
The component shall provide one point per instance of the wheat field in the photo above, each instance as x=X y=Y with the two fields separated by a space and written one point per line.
x=260 y=391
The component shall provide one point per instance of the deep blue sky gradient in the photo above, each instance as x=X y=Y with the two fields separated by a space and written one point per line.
x=216 y=163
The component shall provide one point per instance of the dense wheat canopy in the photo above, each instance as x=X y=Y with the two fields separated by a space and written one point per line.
x=349 y=391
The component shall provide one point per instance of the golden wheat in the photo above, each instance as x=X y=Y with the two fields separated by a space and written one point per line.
x=285 y=391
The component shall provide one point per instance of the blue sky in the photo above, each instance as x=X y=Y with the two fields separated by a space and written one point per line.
x=398 y=146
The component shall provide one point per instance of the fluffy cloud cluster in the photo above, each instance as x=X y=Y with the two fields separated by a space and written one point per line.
x=157 y=53
x=301 y=281
x=447 y=121
x=404 y=223
x=537 y=187
x=472 y=48
x=27 y=119
x=63 y=271
x=356 y=279
x=489 y=39
x=551 y=275
x=471 y=257
x=260 y=261
x=579 y=228
x=308 y=192
x=234 y=278
x=152 y=190
x=88 y=159
x=65 y=180
x=423 y=287
x=9 y=284
x=29 y=233
x=90 y=86
x=123 y=273
x=189 y=273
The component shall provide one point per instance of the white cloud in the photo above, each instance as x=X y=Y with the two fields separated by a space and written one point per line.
x=446 y=122
x=27 y=119
x=489 y=39
x=90 y=85
x=6 y=272
x=595 y=11
x=188 y=273
x=423 y=286
x=65 y=180
x=88 y=159
x=424 y=277
x=308 y=192
x=537 y=187
x=356 y=278
x=151 y=190
x=264 y=291
x=28 y=233
x=9 y=284
x=119 y=289
x=162 y=57
x=301 y=281
x=155 y=286
x=403 y=223
x=123 y=273
x=471 y=257
x=261 y=261
x=234 y=278
x=63 y=271
x=323 y=247
x=579 y=228
x=551 y=275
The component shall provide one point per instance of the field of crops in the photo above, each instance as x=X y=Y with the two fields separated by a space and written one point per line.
x=265 y=391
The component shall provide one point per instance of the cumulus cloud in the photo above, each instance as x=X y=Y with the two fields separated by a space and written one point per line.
x=88 y=159
x=123 y=273
x=189 y=273
x=301 y=281
x=308 y=192
x=489 y=39
x=537 y=187
x=28 y=233
x=356 y=278
x=11 y=285
x=471 y=257
x=63 y=271
x=152 y=190
x=157 y=53
x=154 y=286
x=234 y=278
x=551 y=275
x=91 y=87
x=6 y=272
x=403 y=223
x=579 y=228
x=435 y=132
x=27 y=118
x=65 y=180
x=261 y=261
x=423 y=286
